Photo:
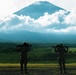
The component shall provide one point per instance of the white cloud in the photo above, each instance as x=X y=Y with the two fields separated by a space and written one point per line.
x=8 y=7
x=66 y=4
x=47 y=19
x=57 y=22
x=71 y=18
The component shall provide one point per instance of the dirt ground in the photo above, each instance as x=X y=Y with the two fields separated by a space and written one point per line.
x=37 y=71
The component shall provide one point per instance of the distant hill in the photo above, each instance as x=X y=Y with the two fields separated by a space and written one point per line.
x=34 y=37
x=2 y=40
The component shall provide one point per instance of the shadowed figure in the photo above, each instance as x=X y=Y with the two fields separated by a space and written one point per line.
x=23 y=49
x=61 y=50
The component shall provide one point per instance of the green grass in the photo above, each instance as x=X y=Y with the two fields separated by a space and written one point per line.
x=34 y=65
x=42 y=60
x=36 y=57
x=40 y=53
x=12 y=57
x=72 y=49
x=36 y=69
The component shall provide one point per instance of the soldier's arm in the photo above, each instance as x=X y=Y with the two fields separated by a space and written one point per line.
x=55 y=49
x=18 y=48
x=66 y=50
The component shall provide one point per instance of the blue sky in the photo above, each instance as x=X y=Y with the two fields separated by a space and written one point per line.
x=48 y=23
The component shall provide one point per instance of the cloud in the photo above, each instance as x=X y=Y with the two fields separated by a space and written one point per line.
x=58 y=22
x=71 y=18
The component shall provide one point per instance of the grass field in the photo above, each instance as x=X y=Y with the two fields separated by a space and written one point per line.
x=40 y=54
x=37 y=69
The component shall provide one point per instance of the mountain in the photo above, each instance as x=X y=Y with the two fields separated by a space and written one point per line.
x=38 y=9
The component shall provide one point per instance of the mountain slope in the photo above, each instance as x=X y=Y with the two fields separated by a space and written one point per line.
x=38 y=9
x=21 y=36
x=34 y=37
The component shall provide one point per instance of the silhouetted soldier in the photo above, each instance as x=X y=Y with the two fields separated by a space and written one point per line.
x=61 y=56
x=23 y=49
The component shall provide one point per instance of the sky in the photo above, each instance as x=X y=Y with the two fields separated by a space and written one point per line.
x=57 y=22
x=10 y=6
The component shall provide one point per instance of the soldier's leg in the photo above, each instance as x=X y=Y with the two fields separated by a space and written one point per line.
x=64 y=66
x=60 y=64
x=25 y=66
x=21 y=67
